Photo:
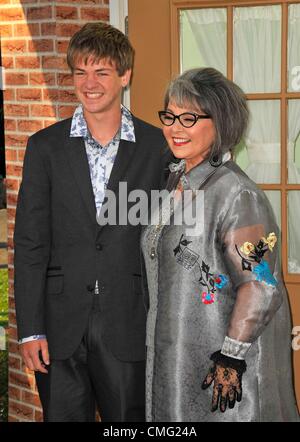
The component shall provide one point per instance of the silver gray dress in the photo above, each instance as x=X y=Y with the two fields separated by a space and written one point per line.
x=203 y=288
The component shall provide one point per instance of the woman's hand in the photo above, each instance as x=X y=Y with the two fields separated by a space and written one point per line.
x=227 y=387
x=227 y=381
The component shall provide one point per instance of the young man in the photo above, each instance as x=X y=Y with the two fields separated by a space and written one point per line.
x=80 y=308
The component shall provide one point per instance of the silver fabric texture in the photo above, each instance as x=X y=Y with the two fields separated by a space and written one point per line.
x=183 y=331
x=235 y=349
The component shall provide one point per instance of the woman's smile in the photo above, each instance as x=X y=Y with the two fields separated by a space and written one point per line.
x=180 y=141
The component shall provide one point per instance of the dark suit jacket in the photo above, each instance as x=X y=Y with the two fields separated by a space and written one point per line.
x=60 y=250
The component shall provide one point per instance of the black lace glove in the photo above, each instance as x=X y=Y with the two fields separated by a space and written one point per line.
x=227 y=375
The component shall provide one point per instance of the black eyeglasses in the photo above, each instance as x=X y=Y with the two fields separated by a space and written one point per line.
x=187 y=119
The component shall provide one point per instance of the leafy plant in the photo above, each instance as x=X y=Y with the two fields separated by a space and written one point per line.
x=3 y=353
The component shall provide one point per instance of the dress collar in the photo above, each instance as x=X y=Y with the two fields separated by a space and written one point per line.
x=196 y=177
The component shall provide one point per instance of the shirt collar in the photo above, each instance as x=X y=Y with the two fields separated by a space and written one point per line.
x=79 y=126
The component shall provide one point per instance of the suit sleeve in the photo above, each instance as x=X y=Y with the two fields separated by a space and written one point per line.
x=251 y=254
x=32 y=239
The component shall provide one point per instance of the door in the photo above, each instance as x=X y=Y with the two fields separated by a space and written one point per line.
x=257 y=44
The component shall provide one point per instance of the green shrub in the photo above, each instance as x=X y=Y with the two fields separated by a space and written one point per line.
x=3 y=353
x=3 y=297
x=3 y=385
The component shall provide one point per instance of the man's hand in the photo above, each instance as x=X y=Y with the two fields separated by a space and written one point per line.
x=35 y=355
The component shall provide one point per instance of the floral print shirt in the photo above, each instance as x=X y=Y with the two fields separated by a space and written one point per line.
x=101 y=158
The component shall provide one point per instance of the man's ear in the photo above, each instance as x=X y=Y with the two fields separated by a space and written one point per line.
x=125 y=78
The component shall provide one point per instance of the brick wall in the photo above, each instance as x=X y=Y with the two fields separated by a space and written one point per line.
x=34 y=38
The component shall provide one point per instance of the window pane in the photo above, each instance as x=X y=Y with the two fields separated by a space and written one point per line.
x=293 y=231
x=257 y=48
x=293 y=144
x=259 y=155
x=294 y=49
x=275 y=200
x=203 y=39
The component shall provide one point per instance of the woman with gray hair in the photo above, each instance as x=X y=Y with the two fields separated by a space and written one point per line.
x=215 y=290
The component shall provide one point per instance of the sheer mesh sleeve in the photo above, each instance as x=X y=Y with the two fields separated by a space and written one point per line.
x=249 y=235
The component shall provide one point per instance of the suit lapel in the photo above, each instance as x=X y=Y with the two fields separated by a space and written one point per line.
x=122 y=162
x=78 y=161
x=119 y=171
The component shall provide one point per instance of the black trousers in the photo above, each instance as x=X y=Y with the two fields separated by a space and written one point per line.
x=91 y=378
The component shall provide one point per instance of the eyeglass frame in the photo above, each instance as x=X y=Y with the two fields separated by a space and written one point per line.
x=197 y=117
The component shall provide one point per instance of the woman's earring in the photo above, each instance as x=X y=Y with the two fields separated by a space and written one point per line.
x=215 y=160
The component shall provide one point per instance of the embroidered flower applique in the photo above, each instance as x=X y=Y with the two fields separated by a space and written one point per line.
x=221 y=281
x=247 y=248
x=208 y=298
x=211 y=282
x=263 y=273
x=255 y=254
x=186 y=257
x=270 y=241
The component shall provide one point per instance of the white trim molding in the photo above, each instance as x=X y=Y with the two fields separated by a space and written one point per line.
x=2 y=78
x=118 y=10
x=118 y=13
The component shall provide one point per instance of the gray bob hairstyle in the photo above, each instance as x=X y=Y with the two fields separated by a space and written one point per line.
x=206 y=89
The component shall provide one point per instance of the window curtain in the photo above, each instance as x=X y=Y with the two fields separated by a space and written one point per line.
x=293 y=196
x=263 y=141
x=257 y=52
x=209 y=28
x=293 y=74
x=293 y=44
x=257 y=48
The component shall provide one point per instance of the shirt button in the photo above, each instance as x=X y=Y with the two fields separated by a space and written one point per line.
x=99 y=246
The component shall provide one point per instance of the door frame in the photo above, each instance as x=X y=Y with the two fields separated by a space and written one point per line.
x=118 y=17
